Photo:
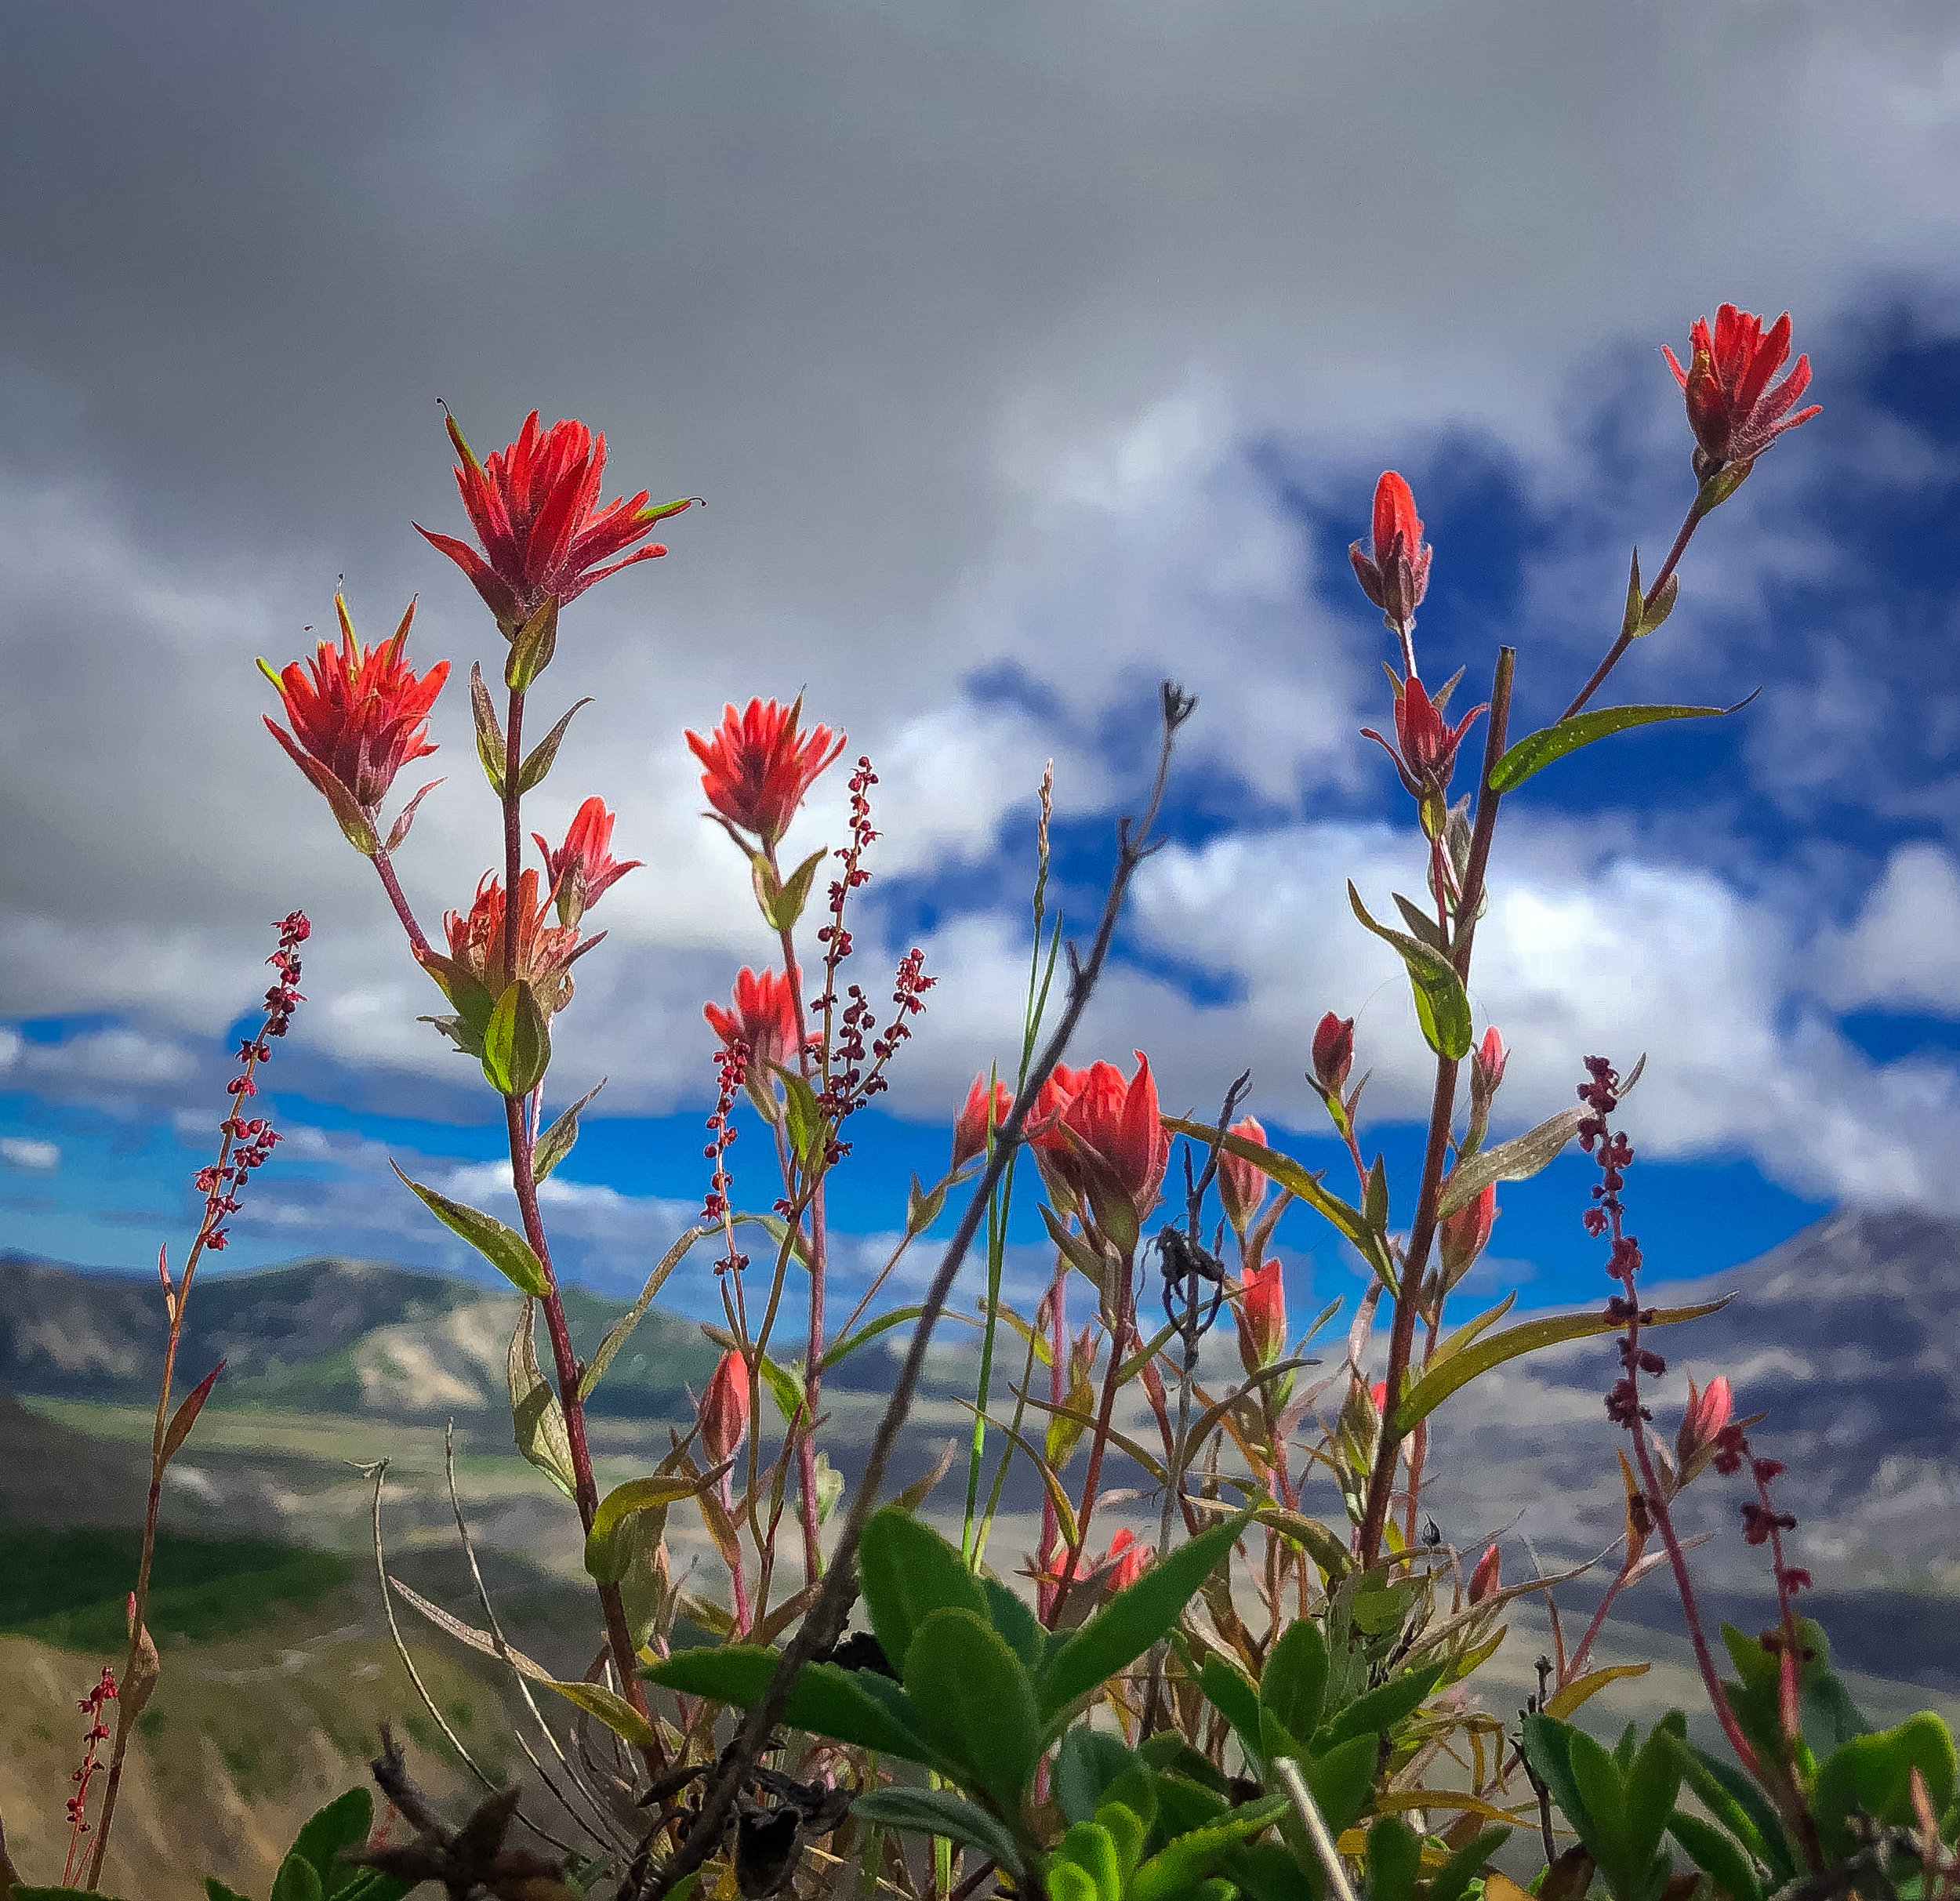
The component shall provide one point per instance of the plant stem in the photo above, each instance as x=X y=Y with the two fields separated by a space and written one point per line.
x=1625 y=640
x=1408 y=1295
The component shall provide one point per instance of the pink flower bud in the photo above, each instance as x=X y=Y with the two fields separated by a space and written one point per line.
x=1127 y=1560
x=1395 y=574
x=724 y=1409
x=1490 y=1057
x=1485 y=1580
x=969 y=1125
x=1465 y=1232
x=1262 y=1317
x=1707 y=1412
x=1242 y=1185
x=1333 y=1051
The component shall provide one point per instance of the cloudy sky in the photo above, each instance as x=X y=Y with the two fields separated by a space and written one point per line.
x=1024 y=355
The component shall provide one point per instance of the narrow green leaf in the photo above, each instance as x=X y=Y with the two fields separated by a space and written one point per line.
x=490 y=742
x=784 y=906
x=1134 y=1620
x=1422 y=925
x=909 y=1572
x=1548 y=1747
x=1716 y=1854
x=1441 y=1007
x=975 y=1703
x=785 y=1387
x=535 y=1415
x=1523 y=1157
x=541 y=757
x=843 y=1349
x=1597 y=1779
x=1235 y=1697
x=1295 y=1678
x=611 y=1709
x=532 y=646
x=1734 y=1799
x=1286 y=1173
x=923 y=1204
x=1440 y=1381
x=806 y=1118
x=1536 y=751
x=603 y=1562
x=504 y=1248
x=622 y=1330
x=1181 y=1864
x=1380 y=1710
x=517 y=1041
x=938 y=1812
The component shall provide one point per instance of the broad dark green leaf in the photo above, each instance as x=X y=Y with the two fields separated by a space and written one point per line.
x=1450 y=1881
x=1441 y=1007
x=297 y=1879
x=1733 y=1798
x=824 y=1700
x=1191 y=1858
x=1548 y=1747
x=1437 y=1384
x=1016 y=1623
x=341 y=1823
x=1603 y=1796
x=935 y=1811
x=504 y=1248
x=1381 y=1709
x=909 y=1572
x=1133 y=1619
x=1295 y=1678
x=1715 y=1853
x=1085 y=1765
x=1394 y=1859
x=1236 y=1698
x=975 y=1703
x=1536 y=751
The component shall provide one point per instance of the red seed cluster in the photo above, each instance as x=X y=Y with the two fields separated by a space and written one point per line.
x=91 y=1706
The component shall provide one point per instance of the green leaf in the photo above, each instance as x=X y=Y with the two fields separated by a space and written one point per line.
x=1380 y=1710
x=214 y=1890
x=1523 y=1157
x=1090 y=1847
x=786 y=1388
x=538 y=761
x=70 y=1894
x=504 y=1248
x=1236 y=1698
x=783 y=908
x=1088 y=1761
x=536 y=1415
x=1734 y=1800
x=1548 y=1747
x=297 y=1879
x=1536 y=751
x=1295 y=1678
x=611 y=1709
x=1441 y=1007
x=1438 y=1384
x=1716 y=1854
x=842 y=1349
x=923 y=1205
x=1873 y=1773
x=1191 y=1858
x=341 y=1823
x=1603 y=1796
x=909 y=1572
x=532 y=646
x=622 y=1330
x=470 y=997
x=517 y=1041
x=1452 y=1879
x=491 y=748
x=1288 y=1175
x=937 y=1811
x=824 y=1700
x=973 y=1701
x=1016 y=1623
x=1394 y=1859
x=1420 y=923
x=1653 y=1781
x=808 y=1127
x=1134 y=1620
x=605 y=1563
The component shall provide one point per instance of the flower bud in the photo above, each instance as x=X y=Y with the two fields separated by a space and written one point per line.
x=1333 y=1051
x=1489 y=1060
x=1242 y=1184
x=1127 y=1561
x=982 y=1108
x=1262 y=1317
x=724 y=1409
x=1485 y=1580
x=1395 y=574
x=1708 y=1411
x=1465 y=1232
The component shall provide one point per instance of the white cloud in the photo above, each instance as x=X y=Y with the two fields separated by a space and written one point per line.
x=1903 y=950
x=31 y=1153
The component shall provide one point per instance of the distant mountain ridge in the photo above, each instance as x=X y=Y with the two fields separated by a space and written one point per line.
x=330 y=1334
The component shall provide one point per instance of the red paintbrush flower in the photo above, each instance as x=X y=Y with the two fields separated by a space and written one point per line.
x=764 y=1018
x=1103 y=1144
x=545 y=952
x=358 y=717
x=1262 y=1316
x=1466 y=1234
x=724 y=1411
x=1734 y=413
x=984 y=1109
x=1242 y=1184
x=759 y=767
x=1427 y=755
x=534 y=508
x=583 y=866
x=1397 y=576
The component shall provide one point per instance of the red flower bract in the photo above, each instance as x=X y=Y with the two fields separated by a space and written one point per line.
x=1262 y=1316
x=545 y=952
x=1465 y=1234
x=534 y=508
x=1103 y=1144
x=1396 y=576
x=724 y=1407
x=1332 y=1051
x=764 y=1018
x=983 y=1109
x=1733 y=412
x=759 y=767
x=1242 y=1185
x=583 y=866
x=1427 y=755
x=358 y=716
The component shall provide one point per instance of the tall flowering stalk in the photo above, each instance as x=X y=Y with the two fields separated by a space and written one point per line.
x=245 y=1144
